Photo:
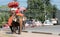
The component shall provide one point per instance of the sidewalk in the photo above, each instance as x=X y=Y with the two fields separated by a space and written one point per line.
x=27 y=35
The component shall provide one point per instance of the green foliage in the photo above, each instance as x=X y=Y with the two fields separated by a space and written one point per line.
x=4 y=14
x=3 y=17
x=36 y=9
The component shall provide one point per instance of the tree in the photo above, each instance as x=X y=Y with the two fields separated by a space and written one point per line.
x=54 y=11
x=36 y=9
x=4 y=14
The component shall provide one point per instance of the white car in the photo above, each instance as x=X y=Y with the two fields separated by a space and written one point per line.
x=54 y=21
x=47 y=22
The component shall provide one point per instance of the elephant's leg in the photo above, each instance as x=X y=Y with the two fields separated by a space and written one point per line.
x=23 y=25
x=20 y=26
x=11 y=29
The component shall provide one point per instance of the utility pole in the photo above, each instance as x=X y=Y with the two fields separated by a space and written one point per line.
x=15 y=0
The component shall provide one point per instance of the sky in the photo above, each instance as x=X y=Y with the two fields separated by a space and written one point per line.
x=24 y=3
x=56 y=2
x=21 y=2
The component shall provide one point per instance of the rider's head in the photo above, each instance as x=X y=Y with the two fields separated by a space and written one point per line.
x=13 y=10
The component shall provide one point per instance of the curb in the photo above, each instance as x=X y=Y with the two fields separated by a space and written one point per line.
x=40 y=33
x=37 y=32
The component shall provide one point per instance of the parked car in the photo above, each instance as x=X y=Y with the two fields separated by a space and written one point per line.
x=47 y=22
x=54 y=21
x=38 y=23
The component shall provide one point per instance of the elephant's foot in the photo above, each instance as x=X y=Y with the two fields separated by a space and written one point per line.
x=19 y=33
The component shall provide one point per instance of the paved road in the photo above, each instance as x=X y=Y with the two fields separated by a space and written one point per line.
x=52 y=29
x=45 y=29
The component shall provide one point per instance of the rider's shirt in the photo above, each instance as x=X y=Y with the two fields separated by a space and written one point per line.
x=17 y=11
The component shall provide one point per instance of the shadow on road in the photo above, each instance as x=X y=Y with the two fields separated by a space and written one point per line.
x=8 y=33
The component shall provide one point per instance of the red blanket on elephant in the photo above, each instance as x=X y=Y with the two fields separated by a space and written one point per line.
x=10 y=21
